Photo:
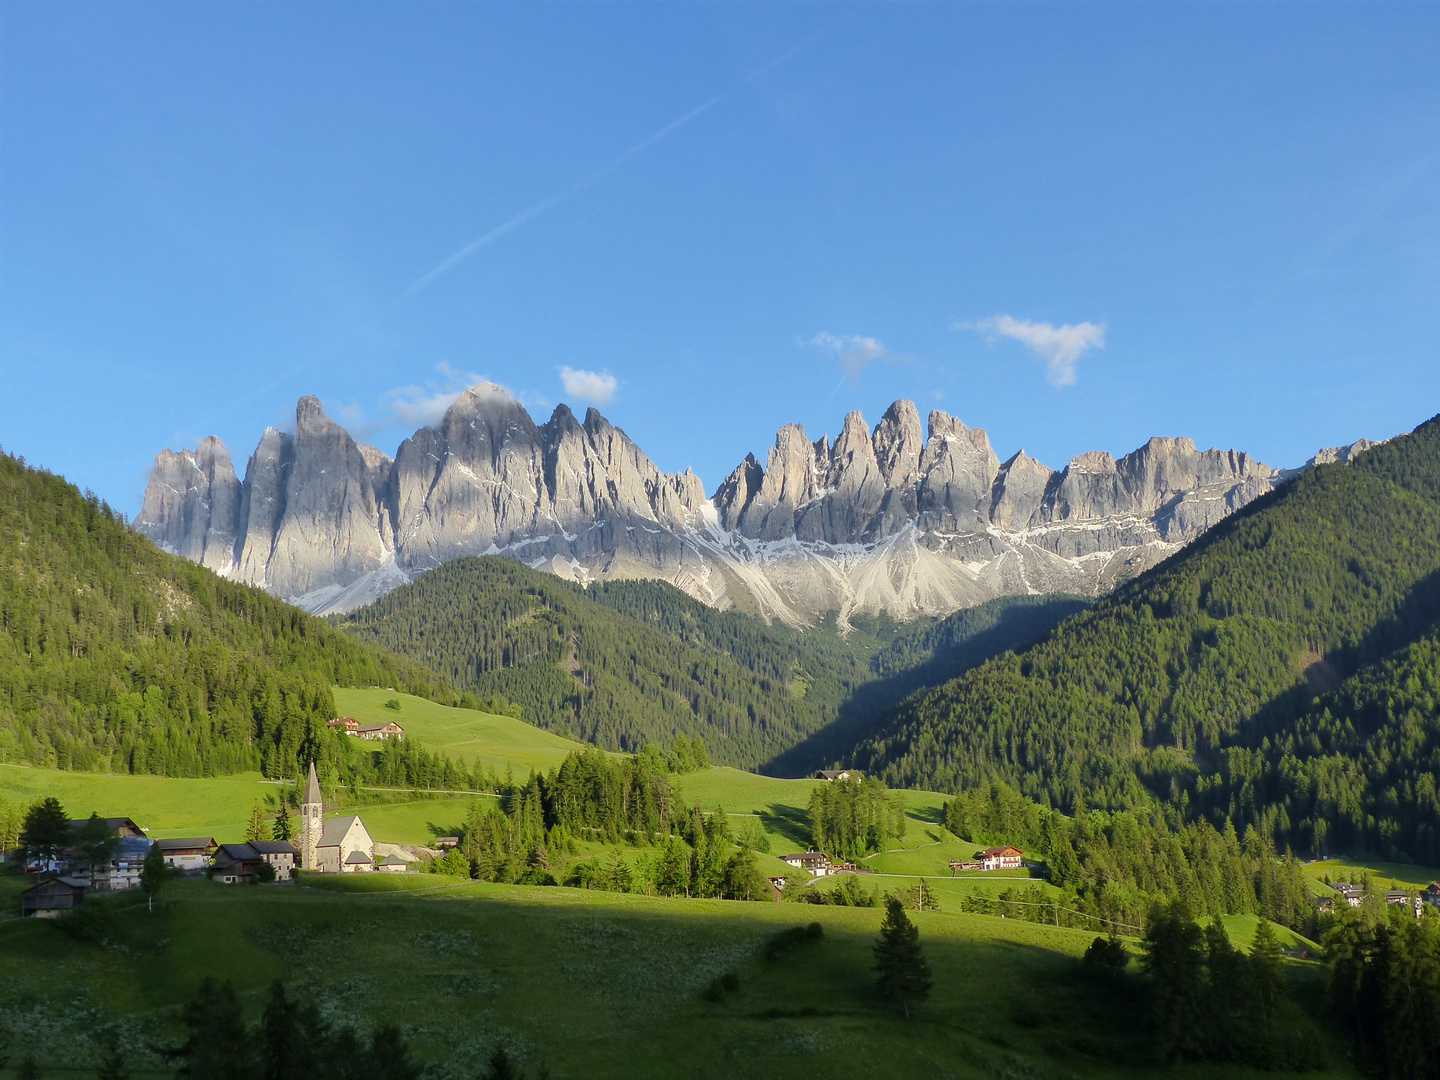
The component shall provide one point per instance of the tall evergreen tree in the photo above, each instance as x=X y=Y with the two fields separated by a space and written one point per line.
x=217 y=1046
x=45 y=832
x=1175 y=962
x=112 y=1060
x=258 y=828
x=282 y=826
x=1267 y=970
x=903 y=975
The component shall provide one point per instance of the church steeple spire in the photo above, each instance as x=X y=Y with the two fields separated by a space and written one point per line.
x=312 y=813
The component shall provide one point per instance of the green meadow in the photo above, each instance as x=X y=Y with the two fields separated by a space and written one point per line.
x=215 y=806
x=497 y=742
x=1382 y=874
x=589 y=984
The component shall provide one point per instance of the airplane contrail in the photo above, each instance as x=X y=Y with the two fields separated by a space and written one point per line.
x=530 y=213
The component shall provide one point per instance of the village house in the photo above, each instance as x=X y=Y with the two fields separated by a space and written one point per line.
x=392 y=864
x=965 y=865
x=189 y=855
x=122 y=827
x=236 y=864
x=120 y=871
x=838 y=774
x=1431 y=895
x=379 y=732
x=1001 y=858
x=125 y=865
x=445 y=843
x=347 y=723
x=1353 y=894
x=817 y=863
x=1397 y=898
x=777 y=887
x=280 y=854
x=50 y=897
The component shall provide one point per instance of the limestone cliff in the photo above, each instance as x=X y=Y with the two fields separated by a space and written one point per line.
x=883 y=519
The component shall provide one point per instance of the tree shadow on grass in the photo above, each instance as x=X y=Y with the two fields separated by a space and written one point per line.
x=931 y=815
x=437 y=831
x=791 y=822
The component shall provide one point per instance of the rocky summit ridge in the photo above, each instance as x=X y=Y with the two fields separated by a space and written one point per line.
x=885 y=520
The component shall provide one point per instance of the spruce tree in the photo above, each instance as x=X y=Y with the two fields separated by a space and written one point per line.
x=502 y=1066
x=45 y=832
x=217 y=1046
x=1267 y=968
x=903 y=974
x=282 y=827
x=112 y=1061
x=259 y=828
x=1175 y=963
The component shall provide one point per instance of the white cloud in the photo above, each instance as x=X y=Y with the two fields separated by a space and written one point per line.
x=424 y=406
x=596 y=387
x=852 y=351
x=1059 y=346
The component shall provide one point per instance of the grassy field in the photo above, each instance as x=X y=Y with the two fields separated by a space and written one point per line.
x=1403 y=875
x=591 y=984
x=218 y=806
x=498 y=742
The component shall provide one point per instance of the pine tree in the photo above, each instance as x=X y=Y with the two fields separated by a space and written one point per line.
x=259 y=828
x=1175 y=961
x=45 y=832
x=289 y=1039
x=112 y=1062
x=217 y=1047
x=390 y=1057
x=502 y=1066
x=903 y=974
x=282 y=828
x=1267 y=968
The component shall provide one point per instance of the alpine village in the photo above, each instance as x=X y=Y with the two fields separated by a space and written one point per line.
x=372 y=714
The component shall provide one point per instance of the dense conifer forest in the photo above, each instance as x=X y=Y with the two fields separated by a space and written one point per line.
x=627 y=663
x=116 y=655
x=1278 y=673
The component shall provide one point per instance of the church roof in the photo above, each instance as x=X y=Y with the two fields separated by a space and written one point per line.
x=312 y=787
x=335 y=830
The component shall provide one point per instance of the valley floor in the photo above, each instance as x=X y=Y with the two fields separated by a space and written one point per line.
x=591 y=984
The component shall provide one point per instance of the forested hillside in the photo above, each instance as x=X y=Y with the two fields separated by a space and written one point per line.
x=620 y=669
x=1281 y=672
x=115 y=654
x=626 y=663
x=906 y=657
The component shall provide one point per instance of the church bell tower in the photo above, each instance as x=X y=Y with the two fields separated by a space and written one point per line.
x=312 y=811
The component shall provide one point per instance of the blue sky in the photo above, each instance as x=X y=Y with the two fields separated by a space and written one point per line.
x=1073 y=225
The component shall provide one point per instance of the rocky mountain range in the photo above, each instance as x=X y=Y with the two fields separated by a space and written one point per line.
x=886 y=520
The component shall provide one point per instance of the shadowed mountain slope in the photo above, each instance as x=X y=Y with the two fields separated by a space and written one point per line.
x=1280 y=671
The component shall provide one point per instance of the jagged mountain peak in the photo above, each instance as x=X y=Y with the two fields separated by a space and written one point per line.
x=889 y=518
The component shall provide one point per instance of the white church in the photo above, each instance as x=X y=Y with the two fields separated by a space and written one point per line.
x=338 y=846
